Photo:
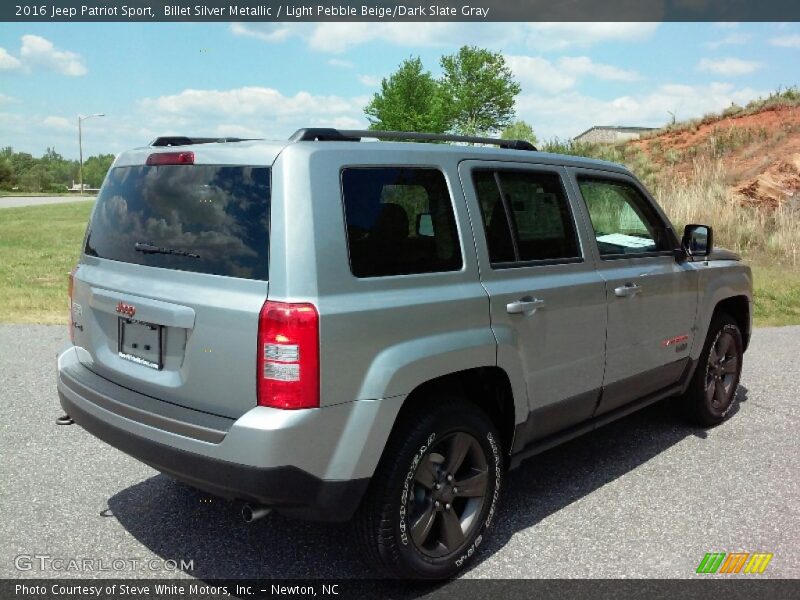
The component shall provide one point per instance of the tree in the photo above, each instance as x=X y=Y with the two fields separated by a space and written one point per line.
x=479 y=89
x=61 y=171
x=21 y=162
x=95 y=169
x=36 y=179
x=51 y=156
x=410 y=100
x=50 y=173
x=519 y=130
x=7 y=179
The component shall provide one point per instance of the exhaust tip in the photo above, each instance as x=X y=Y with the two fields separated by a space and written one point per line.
x=252 y=512
x=64 y=420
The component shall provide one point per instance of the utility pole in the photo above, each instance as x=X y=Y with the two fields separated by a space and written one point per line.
x=80 y=145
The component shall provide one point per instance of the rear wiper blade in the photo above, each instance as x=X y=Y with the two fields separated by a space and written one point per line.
x=151 y=249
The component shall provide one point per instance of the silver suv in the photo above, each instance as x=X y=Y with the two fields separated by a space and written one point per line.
x=335 y=328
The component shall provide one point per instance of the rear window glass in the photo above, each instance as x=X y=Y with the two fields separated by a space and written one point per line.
x=399 y=221
x=200 y=218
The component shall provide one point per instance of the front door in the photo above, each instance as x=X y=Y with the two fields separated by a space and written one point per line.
x=651 y=297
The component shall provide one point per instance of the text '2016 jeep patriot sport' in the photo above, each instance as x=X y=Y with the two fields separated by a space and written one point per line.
x=339 y=329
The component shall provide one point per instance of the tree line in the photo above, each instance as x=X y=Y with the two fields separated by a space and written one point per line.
x=21 y=171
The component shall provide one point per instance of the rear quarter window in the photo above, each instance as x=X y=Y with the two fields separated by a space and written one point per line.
x=400 y=221
x=201 y=218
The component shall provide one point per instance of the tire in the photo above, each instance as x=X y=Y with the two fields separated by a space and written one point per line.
x=402 y=530
x=712 y=390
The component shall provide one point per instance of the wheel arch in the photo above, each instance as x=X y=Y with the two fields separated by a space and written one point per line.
x=723 y=287
x=488 y=387
x=738 y=307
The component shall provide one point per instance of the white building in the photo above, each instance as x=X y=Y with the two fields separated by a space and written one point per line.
x=611 y=134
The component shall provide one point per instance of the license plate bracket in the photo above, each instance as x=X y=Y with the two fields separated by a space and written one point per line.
x=141 y=343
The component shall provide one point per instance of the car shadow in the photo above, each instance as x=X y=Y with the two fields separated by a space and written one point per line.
x=555 y=479
x=177 y=522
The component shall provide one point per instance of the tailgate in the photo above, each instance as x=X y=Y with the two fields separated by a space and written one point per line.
x=167 y=297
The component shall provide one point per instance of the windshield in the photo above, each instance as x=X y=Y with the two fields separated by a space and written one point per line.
x=201 y=218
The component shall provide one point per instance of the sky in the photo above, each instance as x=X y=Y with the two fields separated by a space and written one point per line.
x=269 y=79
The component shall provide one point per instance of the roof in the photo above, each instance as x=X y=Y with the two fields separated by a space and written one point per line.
x=250 y=152
x=264 y=152
x=622 y=128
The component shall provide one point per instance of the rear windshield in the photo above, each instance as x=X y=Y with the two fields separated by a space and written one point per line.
x=201 y=218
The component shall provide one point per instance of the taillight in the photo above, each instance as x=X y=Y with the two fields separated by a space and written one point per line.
x=170 y=158
x=70 y=288
x=288 y=355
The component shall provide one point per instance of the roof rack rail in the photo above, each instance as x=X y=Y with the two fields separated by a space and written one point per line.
x=180 y=140
x=323 y=134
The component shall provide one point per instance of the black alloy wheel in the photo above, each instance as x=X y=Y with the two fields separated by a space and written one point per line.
x=448 y=494
x=722 y=370
x=711 y=394
x=434 y=494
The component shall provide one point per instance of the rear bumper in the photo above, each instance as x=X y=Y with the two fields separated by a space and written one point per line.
x=286 y=487
x=312 y=464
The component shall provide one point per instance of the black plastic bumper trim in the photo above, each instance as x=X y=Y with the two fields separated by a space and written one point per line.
x=288 y=489
x=144 y=409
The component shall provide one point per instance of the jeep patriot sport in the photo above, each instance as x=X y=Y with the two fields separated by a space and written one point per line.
x=335 y=328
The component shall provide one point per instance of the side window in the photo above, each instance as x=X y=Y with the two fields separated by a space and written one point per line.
x=400 y=221
x=622 y=219
x=526 y=216
x=495 y=221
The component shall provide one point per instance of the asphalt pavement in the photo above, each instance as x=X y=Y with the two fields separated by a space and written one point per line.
x=646 y=496
x=17 y=201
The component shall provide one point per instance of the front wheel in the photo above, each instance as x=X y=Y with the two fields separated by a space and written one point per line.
x=712 y=390
x=434 y=494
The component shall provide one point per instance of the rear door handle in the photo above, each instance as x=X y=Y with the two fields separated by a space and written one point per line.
x=525 y=305
x=629 y=290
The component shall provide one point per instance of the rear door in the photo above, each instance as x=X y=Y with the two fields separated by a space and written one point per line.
x=172 y=279
x=547 y=301
x=652 y=298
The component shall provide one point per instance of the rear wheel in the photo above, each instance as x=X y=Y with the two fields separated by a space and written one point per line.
x=712 y=391
x=434 y=493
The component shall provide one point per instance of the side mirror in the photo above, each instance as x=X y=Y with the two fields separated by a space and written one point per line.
x=424 y=225
x=698 y=240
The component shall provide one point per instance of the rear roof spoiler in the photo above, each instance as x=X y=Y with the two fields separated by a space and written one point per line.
x=179 y=140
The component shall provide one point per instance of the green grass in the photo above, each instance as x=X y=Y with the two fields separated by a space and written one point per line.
x=40 y=244
x=38 y=247
x=777 y=295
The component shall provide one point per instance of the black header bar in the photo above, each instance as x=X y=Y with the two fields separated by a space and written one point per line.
x=393 y=11
x=700 y=588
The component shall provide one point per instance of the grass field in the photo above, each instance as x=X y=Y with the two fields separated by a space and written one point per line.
x=39 y=245
x=777 y=295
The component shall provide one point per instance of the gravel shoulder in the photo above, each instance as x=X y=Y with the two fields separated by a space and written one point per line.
x=17 y=201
